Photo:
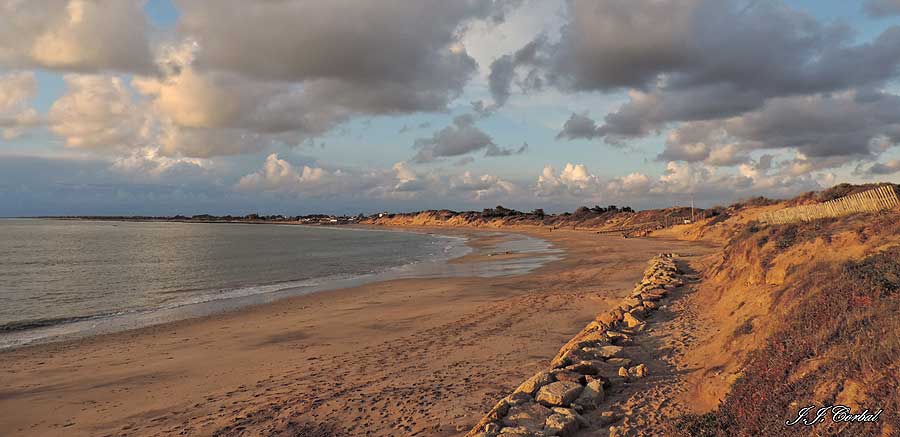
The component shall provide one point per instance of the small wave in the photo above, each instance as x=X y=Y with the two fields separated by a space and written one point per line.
x=22 y=325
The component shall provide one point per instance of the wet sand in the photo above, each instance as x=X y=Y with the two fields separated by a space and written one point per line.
x=404 y=357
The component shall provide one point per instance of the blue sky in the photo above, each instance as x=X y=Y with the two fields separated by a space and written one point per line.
x=194 y=109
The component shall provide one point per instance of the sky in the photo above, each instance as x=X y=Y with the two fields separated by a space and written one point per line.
x=164 y=107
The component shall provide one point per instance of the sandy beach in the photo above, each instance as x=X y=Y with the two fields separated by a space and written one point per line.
x=404 y=357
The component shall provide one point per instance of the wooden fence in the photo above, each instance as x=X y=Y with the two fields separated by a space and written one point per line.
x=881 y=198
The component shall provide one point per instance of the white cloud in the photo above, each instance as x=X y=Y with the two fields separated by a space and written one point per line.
x=75 y=35
x=16 y=115
x=98 y=112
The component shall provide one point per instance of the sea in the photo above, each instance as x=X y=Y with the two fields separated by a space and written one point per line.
x=72 y=278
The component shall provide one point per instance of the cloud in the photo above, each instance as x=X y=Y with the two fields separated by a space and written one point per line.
x=16 y=91
x=281 y=176
x=98 y=112
x=574 y=180
x=75 y=35
x=882 y=8
x=460 y=138
x=503 y=72
x=400 y=182
x=148 y=164
x=833 y=129
x=482 y=187
x=578 y=126
x=890 y=167
x=695 y=60
x=384 y=57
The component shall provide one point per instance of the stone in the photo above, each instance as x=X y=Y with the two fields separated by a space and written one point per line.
x=559 y=393
x=519 y=431
x=561 y=425
x=564 y=422
x=639 y=311
x=592 y=395
x=638 y=371
x=631 y=321
x=568 y=375
x=500 y=409
x=492 y=428
x=519 y=398
x=530 y=416
x=632 y=302
x=623 y=372
x=533 y=384
x=585 y=367
x=610 y=318
x=614 y=335
x=650 y=305
x=607 y=418
x=622 y=362
x=594 y=338
x=650 y=297
x=610 y=351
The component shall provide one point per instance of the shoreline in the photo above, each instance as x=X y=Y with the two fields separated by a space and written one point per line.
x=409 y=355
x=457 y=251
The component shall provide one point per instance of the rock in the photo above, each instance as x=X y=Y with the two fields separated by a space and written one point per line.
x=607 y=417
x=592 y=395
x=630 y=320
x=568 y=375
x=607 y=352
x=632 y=302
x=564 y=422
x=519 y=399
x=519 y=431
x=593 y=369
x=610 y=318
x=530 y=416
x=561 y=425
x=584 y=367
x=623 y=372
x=533 y=384
x=595 y=338
x=649 y=304
x=492 y=428
x=639 y=311
x=650 y=297
x=622 y=362
x=638 y=371
x=559 y=393
x=617 y=336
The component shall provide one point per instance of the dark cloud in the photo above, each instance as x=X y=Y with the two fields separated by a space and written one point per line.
x=832 y=128
x=460 y=138
x=702 y=60
x=503 y=72
x=578 y=126
x=393 y=56
x=882 y=8
x=886 y=168
x=501 y=151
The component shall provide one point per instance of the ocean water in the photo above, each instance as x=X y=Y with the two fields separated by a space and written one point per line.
x=53 y=271
x=66 y=278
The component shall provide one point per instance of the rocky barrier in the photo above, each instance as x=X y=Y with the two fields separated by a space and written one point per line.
x=571 y=393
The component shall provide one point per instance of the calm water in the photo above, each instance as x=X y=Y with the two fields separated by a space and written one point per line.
x=68 y=279
x=54 y=271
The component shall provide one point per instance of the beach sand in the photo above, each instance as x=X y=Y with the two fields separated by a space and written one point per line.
x=404 y=357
